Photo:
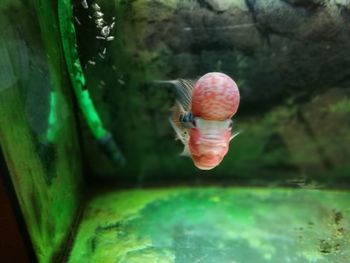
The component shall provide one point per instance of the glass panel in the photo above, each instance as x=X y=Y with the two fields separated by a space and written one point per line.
x=37 y=131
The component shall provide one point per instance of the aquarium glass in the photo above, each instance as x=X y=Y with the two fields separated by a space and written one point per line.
x=37 y=128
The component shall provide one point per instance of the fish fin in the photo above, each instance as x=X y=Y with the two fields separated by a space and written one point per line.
x=181 y=133
x=186 y=151
x=183 y=90
x=177 y=111
x=234 y=135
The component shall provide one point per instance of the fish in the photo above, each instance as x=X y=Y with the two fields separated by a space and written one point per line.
x=202 y=117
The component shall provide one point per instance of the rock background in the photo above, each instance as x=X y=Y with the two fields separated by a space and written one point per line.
x=291 y=60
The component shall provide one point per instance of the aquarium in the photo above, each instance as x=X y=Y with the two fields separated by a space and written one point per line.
x=103 y=142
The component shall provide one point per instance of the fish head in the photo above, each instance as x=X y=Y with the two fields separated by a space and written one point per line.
x=209 y=142
x=215 y=96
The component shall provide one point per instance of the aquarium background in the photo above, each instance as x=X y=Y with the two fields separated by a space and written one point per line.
x=60 y=83
x=290 y=61
x=289 y=58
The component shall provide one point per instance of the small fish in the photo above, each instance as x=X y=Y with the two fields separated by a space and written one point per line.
x=202 y=116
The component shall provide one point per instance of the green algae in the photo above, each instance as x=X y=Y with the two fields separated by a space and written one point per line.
x=215 y=225
x=341 y=106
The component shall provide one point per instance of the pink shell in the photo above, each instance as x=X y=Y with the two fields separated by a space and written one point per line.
x=215 y=96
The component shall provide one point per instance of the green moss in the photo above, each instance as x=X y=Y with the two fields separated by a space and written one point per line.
x=341 y=106
x=280 y=115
